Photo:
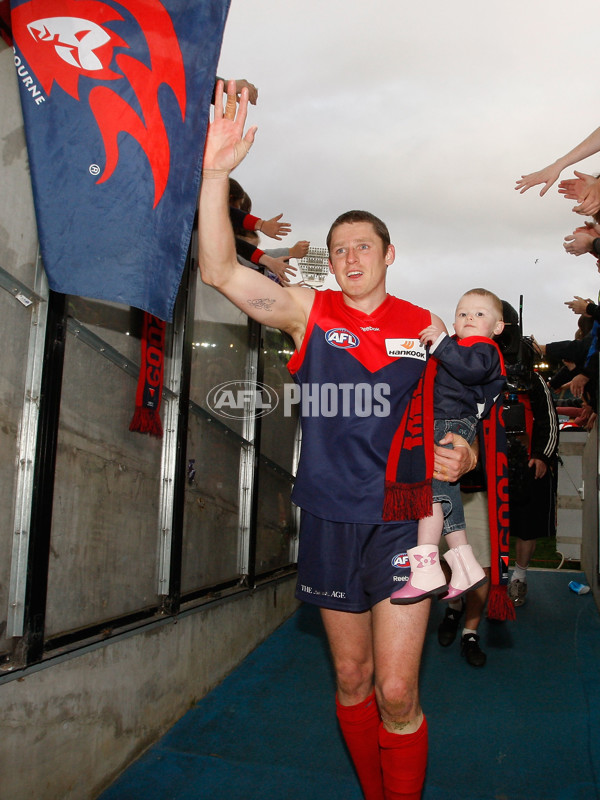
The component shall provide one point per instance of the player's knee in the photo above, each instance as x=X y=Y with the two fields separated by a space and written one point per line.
x=354 y=678
x=398 y=700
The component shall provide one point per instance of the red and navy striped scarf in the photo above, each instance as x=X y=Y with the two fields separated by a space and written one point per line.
x=496 y=471
x=409 y=468
x=146 y=417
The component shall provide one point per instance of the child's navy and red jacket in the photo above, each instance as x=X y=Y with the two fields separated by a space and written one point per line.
x=469 y=379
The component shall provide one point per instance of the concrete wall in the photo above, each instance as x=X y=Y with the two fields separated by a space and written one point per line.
x=69 y=729
x=569 y=524
x=71 y=724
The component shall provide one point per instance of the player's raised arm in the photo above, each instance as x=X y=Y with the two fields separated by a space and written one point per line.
x=256 y=295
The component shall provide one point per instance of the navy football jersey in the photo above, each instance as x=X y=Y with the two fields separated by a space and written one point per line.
x=356 y=373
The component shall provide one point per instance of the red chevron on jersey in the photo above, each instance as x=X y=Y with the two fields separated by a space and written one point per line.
x=375 y=340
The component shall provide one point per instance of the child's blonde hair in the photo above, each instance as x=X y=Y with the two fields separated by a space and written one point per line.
x=494 y=298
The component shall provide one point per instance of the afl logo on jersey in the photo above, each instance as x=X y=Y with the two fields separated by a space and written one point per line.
x=400 y=561
x=340 y=337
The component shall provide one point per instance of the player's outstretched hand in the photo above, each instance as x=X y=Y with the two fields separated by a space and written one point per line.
x=226 y=144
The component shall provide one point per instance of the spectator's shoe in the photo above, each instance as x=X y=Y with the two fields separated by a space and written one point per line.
x=448 y=627
x=426 y=576
x=471 y=651
x=517 y=591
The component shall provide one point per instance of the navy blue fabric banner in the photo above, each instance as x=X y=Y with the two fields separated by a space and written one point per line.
x=116 y=98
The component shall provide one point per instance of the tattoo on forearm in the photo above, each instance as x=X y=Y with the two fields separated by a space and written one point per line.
x=262 y=302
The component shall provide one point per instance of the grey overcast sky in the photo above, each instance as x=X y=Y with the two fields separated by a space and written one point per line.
x=426 y=113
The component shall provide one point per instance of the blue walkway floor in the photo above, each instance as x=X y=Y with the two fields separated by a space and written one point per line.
x=525 y=727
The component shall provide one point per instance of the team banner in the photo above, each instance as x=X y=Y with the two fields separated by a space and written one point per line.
x=116 y=98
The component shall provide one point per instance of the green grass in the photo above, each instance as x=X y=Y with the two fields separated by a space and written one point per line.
x=545 y=556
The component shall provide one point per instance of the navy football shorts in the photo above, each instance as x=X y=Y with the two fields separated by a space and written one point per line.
x=349 y=566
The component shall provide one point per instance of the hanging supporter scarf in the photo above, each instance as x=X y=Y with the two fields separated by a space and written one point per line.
x=496 y=472
x=495 y=463
x=116 y=99
x=409 y=468
x=146 y=418
x=491 y=475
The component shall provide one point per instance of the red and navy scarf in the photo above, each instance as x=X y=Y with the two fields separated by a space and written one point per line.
x=146 y=418
x=495 y=463
x=409 y=468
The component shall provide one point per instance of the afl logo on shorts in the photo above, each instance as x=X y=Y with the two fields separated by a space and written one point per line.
x=400 y=561
x=340 y=337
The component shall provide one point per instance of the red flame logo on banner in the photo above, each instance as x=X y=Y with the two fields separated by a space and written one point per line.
x=65 y=41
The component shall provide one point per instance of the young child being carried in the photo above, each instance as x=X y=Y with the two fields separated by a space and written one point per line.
x=470 y=376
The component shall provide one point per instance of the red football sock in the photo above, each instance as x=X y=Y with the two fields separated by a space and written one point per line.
x=403 y=762
x=360 y=728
